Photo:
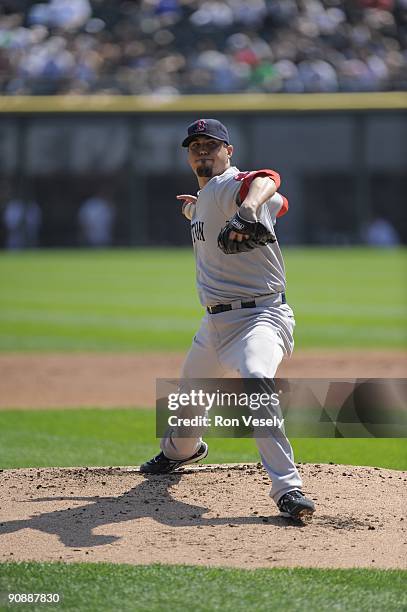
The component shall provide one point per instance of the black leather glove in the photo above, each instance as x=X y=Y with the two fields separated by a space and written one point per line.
x=258 y=234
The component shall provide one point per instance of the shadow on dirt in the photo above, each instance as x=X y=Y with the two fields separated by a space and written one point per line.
x=150 y=499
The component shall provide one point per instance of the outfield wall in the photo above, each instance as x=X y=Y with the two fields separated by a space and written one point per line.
x=342 y=158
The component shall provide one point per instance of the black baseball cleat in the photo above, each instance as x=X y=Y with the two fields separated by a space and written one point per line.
x=295 y=505
x=160 y=464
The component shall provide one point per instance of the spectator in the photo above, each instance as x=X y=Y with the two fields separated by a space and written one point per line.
x=22 y=220
x=381 y=233
x=176 y=47
x=64 y=14
x=95 y=219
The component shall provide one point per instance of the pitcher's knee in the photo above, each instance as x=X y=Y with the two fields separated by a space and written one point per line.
x=255 y=370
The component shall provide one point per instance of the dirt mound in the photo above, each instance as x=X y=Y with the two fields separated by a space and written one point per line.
x=114 y=380
x=207 y=515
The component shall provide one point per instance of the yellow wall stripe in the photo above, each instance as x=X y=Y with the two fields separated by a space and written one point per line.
x=205 y=103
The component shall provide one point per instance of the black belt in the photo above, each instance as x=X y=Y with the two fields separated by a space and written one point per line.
x=225 y=307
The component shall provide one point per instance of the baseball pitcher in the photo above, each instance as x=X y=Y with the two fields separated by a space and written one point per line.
x=248 y=326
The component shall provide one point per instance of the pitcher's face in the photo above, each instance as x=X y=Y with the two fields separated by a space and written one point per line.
x=208 y=156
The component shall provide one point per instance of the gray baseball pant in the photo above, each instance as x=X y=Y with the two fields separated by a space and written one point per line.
x=251 y=342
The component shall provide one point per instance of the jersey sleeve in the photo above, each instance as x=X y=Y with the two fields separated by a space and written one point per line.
x=231 y=193
x=277 y=205
x=246 y=179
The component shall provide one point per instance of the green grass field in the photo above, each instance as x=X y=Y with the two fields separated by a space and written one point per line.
x=157 y=588
x=145 y=299
x=131 y=300
x=46 y=438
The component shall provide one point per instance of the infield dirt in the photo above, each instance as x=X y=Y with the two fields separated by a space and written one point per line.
x=119 y=380
x=207 y=515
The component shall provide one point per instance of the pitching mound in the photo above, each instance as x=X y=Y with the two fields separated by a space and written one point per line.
x=207 y=515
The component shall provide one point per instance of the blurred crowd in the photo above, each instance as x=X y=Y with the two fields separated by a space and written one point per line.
x=171 y=47
x=22 y=220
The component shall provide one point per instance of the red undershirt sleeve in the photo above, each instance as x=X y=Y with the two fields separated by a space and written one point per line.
x=246 y=179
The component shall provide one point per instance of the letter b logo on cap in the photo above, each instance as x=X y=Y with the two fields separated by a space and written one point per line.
x=201 y=125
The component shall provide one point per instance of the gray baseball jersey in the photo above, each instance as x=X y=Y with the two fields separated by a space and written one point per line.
x=249 y=341
x=224 y=278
